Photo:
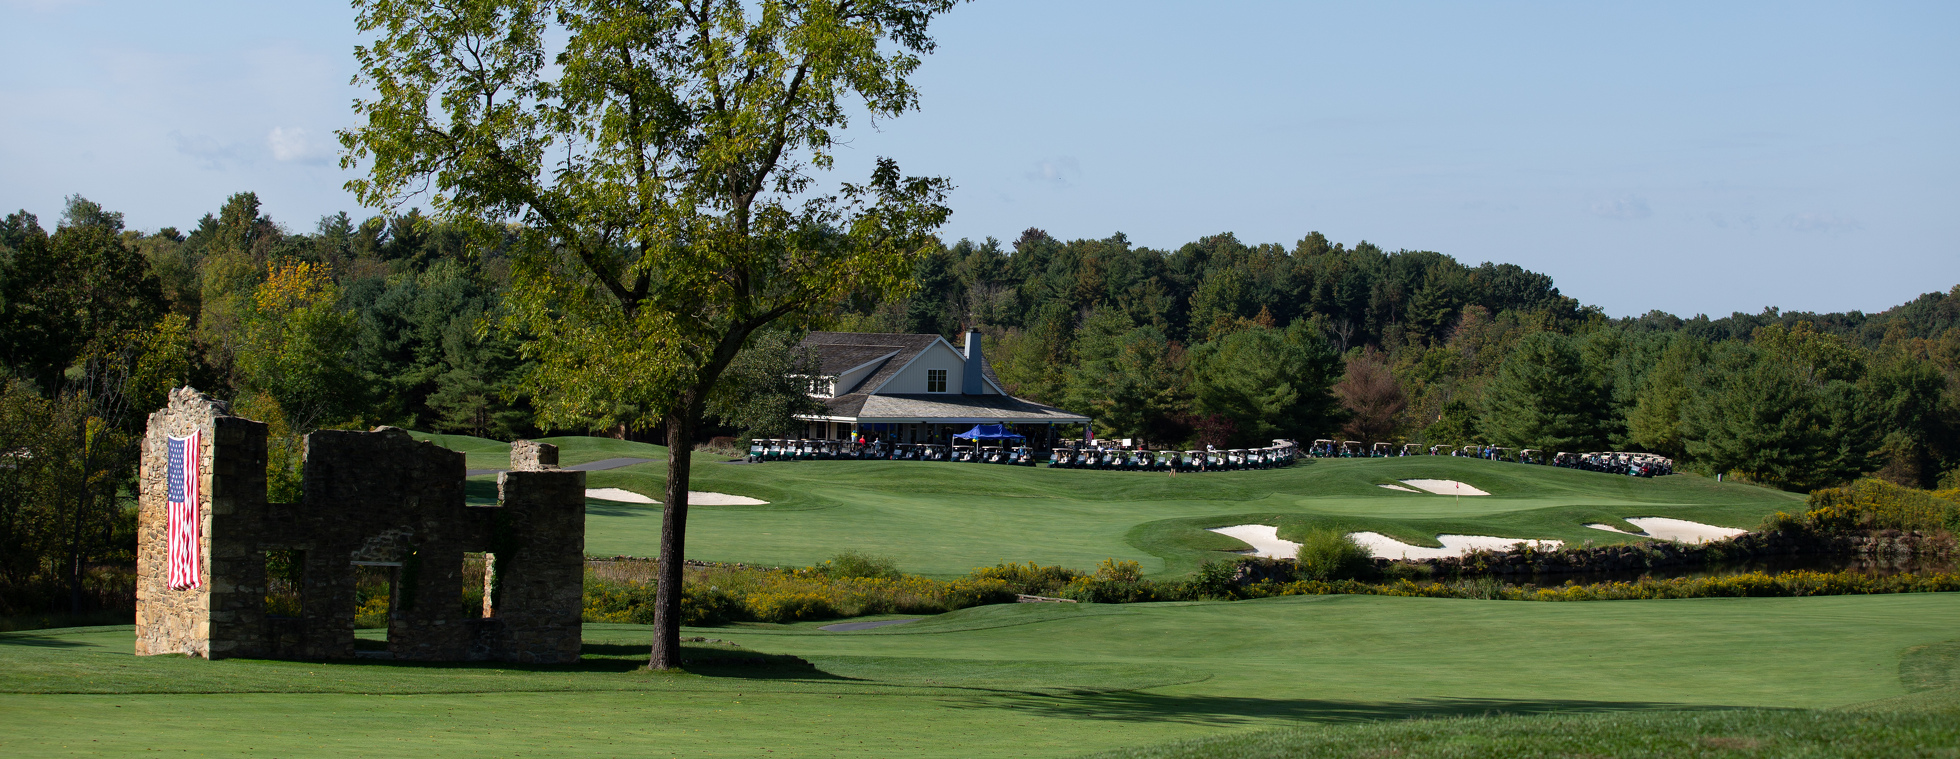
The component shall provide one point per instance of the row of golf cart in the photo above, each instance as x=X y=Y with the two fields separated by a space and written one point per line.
x=1610 y=462
x=761 y=450
x=1617 y=462
x=1073 y=454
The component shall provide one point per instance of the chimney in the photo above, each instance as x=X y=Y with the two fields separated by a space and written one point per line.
x=973 y=380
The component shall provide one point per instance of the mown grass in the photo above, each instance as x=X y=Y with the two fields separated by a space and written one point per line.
x=1021 y=680
x=932 y=517
x=1660 y=735
x=943 y=520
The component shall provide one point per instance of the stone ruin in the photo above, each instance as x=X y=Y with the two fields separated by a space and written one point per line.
x=370 y=499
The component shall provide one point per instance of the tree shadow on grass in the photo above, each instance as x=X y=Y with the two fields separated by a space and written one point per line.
x=1224 y=711
x=615 y=658
x=37 y=641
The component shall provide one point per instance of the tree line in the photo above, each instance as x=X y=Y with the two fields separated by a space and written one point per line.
x=400 y=320
x=1223 y=342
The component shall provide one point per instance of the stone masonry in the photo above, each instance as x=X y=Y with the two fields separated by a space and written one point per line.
x=377 y=499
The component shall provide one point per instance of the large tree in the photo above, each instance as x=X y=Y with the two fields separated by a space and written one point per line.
x=659 y=156
x=1268 y=383
x=1544 y=397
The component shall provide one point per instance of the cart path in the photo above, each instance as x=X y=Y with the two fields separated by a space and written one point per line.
x=594 y=466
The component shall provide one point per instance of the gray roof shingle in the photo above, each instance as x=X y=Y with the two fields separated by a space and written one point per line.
x=840 y=351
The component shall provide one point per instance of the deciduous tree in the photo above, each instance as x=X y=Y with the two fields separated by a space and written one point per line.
x=660 y=157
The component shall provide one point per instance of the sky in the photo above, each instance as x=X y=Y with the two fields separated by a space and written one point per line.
x=1691 y=157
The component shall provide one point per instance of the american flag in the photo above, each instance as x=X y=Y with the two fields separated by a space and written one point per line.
x=186 y=527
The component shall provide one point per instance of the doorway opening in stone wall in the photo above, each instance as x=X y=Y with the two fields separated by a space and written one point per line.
x=478 y=586
x=285 y=624
x=376 y=598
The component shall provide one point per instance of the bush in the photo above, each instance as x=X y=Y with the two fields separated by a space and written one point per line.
x=852 y=564
x=373 y=614
x=964 y=593
x=789 y=607
x=1874 y=504
x=1115 y=582
x=1332 y=555
x=1029 y=578
x=703 y=607
x=1215 y=579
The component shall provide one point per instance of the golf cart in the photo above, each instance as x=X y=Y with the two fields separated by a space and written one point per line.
x=757 y=448
x=1322 y=448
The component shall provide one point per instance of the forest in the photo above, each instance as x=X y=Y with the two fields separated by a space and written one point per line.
x=396 y=320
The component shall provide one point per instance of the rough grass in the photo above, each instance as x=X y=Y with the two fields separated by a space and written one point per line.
x=1054 y=680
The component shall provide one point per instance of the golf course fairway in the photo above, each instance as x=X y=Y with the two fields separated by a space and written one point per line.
x=1014 y=680
x=944 y=519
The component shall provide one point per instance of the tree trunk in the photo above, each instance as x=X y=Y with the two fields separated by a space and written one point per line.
x=673 y=541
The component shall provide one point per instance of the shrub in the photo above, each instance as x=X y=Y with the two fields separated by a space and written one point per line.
x=968 y=592
x=373 y=614
x=1332 y=555
x=852 y=564
x=1030 y=578
x=702 y=607
x=1215 y=579
x=1402 y=570
x=789 y=607
x=1873 y=504
x=1115 y=581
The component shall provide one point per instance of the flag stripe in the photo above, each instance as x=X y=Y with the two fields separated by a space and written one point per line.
x=184 y=524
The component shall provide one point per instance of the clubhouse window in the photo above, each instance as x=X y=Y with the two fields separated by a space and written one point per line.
x=935 y=380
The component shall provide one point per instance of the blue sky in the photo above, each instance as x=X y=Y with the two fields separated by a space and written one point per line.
x=1690 y=157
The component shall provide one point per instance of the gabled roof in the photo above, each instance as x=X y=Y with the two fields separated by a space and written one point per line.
x=838 y=352
x=853 y=349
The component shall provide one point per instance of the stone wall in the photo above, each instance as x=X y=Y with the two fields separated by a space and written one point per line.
x=377 y=498
x=223 y=609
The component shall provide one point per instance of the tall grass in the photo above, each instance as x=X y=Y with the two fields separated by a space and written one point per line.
x=848 y=585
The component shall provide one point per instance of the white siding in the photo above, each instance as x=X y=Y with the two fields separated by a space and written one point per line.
x=938 y=356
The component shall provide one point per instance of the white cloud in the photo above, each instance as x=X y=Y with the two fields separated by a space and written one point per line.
x=1625 y=207
x=1822 y=222
x=1060 y=172
x=294 y=145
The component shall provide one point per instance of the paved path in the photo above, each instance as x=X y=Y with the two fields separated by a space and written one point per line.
x=849 y=626
x=595 y=466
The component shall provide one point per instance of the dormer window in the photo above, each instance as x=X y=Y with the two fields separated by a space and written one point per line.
x=935 y=380
x=821 y=387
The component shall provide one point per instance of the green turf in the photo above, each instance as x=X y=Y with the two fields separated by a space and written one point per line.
x=943 y=519
x=1048 y=680
x=484 y=453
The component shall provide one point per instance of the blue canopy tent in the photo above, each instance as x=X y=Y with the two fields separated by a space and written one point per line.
x=988 y=432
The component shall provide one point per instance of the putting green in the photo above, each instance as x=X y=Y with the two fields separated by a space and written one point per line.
x=1016 y=680
x=944 y=519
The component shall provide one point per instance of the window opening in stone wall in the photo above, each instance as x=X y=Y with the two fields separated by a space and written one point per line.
x=375 y=599
x=476 y=585
x=285 y=573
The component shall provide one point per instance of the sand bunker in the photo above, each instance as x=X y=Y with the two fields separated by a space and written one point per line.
x=694 y=497
x=1611 y=528
x=1676 y=530
x=1445 y=487
x=1264 y=540
x=1386 y=547
x=1399 y=487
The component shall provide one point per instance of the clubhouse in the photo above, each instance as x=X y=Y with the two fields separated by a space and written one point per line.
x=919 y=389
